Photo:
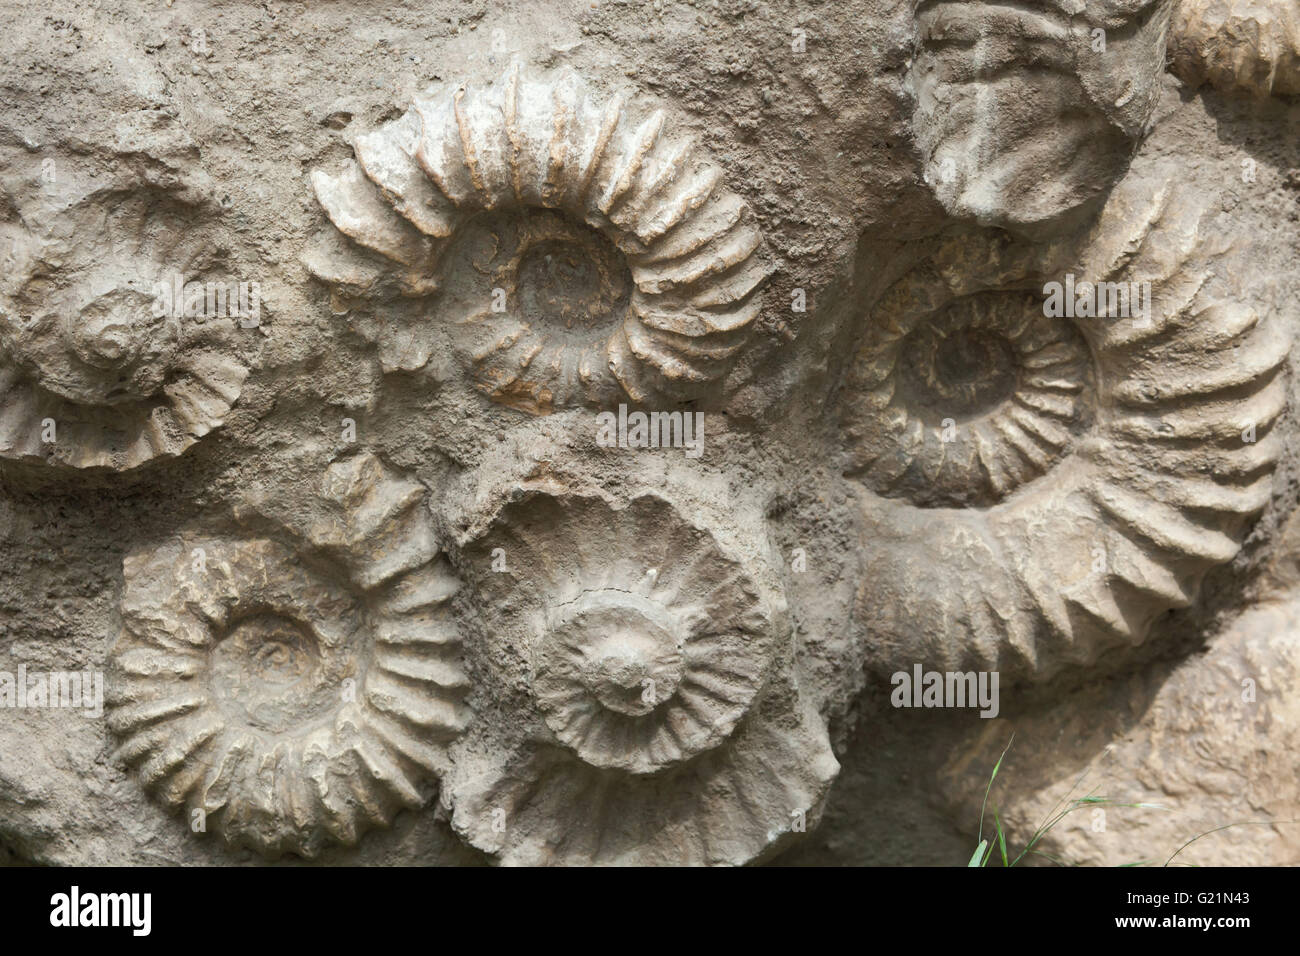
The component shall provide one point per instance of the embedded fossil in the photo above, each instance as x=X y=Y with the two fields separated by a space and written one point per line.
x=1251 y=45
x=642 y=688
x=1015 y=379
x=1093 y=469
x=291 y=708
x=1026 y=113
x=578 y=246
x=93 y=374
x=136 y=138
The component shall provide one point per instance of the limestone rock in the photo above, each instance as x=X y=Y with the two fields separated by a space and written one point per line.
x=100 y=365
x=371 y=582
x=1043 y=487
x=1027 y=113
x=640 y=680
x=1184 y=741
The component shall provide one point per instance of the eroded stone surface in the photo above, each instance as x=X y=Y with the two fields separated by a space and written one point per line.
x=1251 y=46
x=1183 y=741
x=403 y=604
x=1102 y=462
x=101 y=366
x=1026 y=113
x=642 y=677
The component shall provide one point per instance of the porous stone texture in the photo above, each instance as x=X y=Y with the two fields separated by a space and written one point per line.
x=1246 y=45
x=966 y=329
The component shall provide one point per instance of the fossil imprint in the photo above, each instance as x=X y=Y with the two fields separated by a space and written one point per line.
x=91 y=375
x=1028 y=112
x=294 y=704
x=1036 y=487
x=1018 y=381
x=646 y=709
x=578 y=247
x=1044 y=487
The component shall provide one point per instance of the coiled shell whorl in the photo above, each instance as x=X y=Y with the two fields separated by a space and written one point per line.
x=92 y=373
x=1041 y=488
x=639 y=704
x=580 y=248
x=294 y=691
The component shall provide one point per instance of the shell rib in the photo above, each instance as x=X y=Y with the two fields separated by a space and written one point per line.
x=1102 y=482
x=202 y=389
x=666 y=265
x=1027 y=112
x=1247 y=45
x=657 y=695
x=93 y=374
x=293 y=708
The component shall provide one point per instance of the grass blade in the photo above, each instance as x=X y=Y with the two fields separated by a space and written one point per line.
x=993 y=776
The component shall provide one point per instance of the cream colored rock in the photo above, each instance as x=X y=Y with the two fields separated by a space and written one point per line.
x=1208 y=746
x=283 y=705
x=579 y=248
x=96 y=370
x=912 y=175
x=1251 y=46
x=1027 y=113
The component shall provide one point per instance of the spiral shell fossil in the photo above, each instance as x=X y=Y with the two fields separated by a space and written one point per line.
x=648 y=717
x=91 y=374
x=959 y=359
x=1249 y=45
x=578 y=248
x=296 y=700
x=1044 y=487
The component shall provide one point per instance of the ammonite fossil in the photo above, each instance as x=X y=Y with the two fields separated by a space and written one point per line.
x=578 y=247
x=97 y=368
x=1027 y=112
x=1249 y=45
x=1018 y=382
x=643 y=705
x=288 y=700
x=1060 y=439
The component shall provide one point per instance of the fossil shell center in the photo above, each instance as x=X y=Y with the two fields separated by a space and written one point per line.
x=621 y=649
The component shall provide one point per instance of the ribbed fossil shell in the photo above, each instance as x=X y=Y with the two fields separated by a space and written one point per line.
x=646 y=718
x=295 y=703
x=1108 y=464
x=1020 y=119
x=1016 y=381
x=80 y=345
x=1250 y=45
x=581 y=248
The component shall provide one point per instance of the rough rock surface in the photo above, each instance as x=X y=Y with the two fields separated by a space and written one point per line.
x=348 y=529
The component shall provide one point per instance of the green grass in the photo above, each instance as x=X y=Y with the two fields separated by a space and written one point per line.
x=1062 y=809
